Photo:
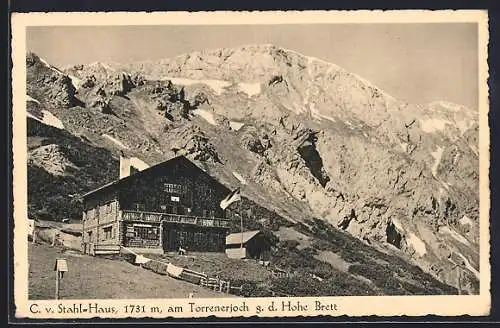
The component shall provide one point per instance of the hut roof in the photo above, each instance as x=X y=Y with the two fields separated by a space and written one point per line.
x=238 y=238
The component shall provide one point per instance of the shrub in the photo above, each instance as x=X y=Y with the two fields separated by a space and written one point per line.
x=289 y=244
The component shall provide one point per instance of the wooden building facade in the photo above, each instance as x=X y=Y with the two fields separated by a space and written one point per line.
x=159 y=209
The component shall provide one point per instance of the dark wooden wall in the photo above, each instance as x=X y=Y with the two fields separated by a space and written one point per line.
x=145 y=236
x=153 y=192
x=193 y=238
x=258 y=247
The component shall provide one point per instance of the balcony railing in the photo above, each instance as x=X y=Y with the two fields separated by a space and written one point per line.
x=174 y=218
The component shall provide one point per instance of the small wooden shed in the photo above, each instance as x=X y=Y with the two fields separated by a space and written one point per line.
x=248 y=245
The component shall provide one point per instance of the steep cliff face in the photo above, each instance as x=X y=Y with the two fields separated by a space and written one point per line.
x=308 y=138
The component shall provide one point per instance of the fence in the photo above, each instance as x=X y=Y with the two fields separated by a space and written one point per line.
x=194 y=277
x=174 y=218
x=202 y=279
x=217 y=284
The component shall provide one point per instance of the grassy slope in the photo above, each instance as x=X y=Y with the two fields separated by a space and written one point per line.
x=96 y=278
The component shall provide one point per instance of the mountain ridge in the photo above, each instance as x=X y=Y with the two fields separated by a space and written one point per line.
x=311 y=143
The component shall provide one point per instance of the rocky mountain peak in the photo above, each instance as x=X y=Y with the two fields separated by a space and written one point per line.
x=310 y=138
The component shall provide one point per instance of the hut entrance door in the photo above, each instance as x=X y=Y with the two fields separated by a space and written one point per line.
x=170 y=238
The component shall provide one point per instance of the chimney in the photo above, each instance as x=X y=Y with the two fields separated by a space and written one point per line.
x=125 y=167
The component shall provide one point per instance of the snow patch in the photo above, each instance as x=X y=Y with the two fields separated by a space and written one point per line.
x=33 y=117
x=29 y=98
x=397 y=224
x=207 y=116
x=349 y=124
x=464 y=125
x=455 y=235
x=369 y=84
x=251 y=89
x=240 y=178
x=236 y=126
x=417 y=244
x=437 y=159
x=48 y=119
x=115 y=141
x=305 y=101
x=50 y=66
x=314 y=111
x=103 y=65
x=445 y=185
x=326 y=117
x=404 y=146
x=316 y=277
x=297 y=109
x=469 y=266
x=52 y=120
x=138 y=163
x=465 y=220
x=106 y=66
x=218 y=86
x=433 y=125
x=448 y=105
x=75 y=81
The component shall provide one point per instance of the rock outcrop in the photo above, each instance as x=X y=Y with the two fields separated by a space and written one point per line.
x=312 y=138
x=49 y=83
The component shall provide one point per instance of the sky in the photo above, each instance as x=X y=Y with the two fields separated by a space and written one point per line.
x=419 y=63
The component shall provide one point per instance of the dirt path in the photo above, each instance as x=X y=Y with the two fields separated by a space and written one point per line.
x=97 y=278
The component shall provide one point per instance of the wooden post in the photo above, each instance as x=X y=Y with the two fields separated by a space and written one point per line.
x=97 y=221
x=241 y=222
x=84 y=217
x=33 y=236
x=54 y=236
x=58 y=277
x=161 y=234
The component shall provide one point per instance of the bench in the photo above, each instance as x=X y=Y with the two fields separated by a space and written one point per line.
x=93 y=249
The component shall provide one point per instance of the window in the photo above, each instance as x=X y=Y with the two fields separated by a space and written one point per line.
x=172 y=188
x=108 y=232
x=150 y=233
x=139 y=207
